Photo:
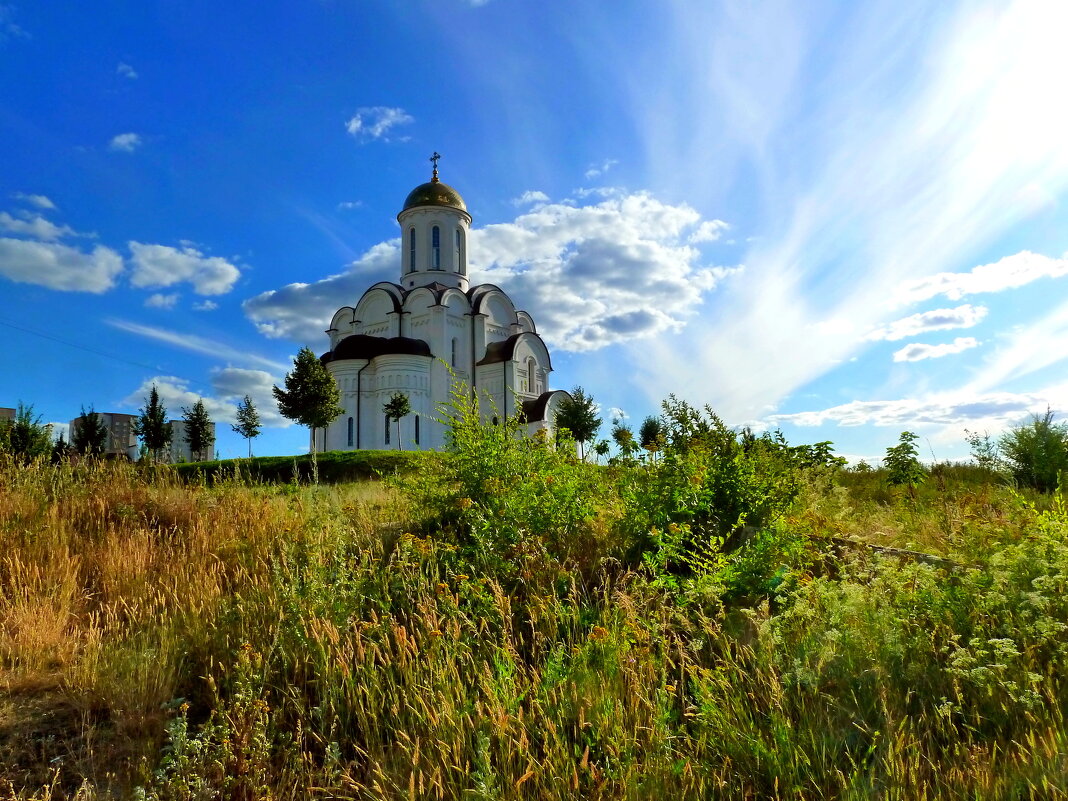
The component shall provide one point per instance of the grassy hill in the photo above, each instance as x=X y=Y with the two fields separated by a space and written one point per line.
x=725 y=622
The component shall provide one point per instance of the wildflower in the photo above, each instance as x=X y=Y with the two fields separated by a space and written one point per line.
x=669 y=687
x=435 y=633
x=462 y=577
x=465 y=503
x=442 y=586
x=599 y=634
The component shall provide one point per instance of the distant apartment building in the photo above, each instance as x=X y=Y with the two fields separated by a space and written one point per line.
x=121 y=439
x=6 y=415
x=179 y=450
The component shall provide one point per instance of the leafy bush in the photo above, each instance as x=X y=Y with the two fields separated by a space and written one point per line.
x=1037 y=452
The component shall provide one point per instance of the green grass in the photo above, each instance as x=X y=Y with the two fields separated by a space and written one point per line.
x=497 y=625
x=334 y=466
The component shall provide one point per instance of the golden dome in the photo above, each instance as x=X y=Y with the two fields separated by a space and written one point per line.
x=434 y=193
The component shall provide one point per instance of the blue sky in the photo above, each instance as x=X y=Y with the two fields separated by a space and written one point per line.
x=841 y=219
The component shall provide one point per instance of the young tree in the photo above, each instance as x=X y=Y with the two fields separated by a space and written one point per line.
x=904 y=469
x=396 y=407
x=601 y=450
x=151 y=425
x=90 y=435
x=1037 y=452
x=26 y=437
x=578 y=414
x=310 y=398
x=198 y=434
x=61 y=449
x=248 y=422
x=624 y=439
x=651 y=435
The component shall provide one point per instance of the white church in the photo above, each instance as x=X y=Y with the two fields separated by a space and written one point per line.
x=407 y=336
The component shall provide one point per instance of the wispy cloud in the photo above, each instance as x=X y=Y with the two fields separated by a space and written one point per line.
x=196 y=344
x=964 y=316
x=596 y=170
x=161 y=301
x=35 y=226
x=126 y=71
x=205 y=305
x=125 y=142
x=40 y=201
x=1010 y=272
x=376 y=122
x=917 y=351
x=530 y=197
x=923 y=126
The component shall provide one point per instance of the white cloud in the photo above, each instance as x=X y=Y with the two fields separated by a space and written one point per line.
x=1007 y=273
x=375 y=122
x=615 y=413
x=590 y=276
x=708 y=231
x=958 y=409
x=162 y=266
x=205 y=305
x=935 y=320
x=347 y=205
x=161 y=301
x=174 y=394
x=233 y=383
x=229 y=385
x=60 y=429
x=126 y=71
x=58 y=266
x=40 y=201
x=595 y=170
x=529 y=197
x=918 y=351
x=195 y=343
x=34 y=225
x=125 y=142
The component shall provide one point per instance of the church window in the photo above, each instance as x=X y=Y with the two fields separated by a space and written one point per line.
x=417 y=429
x=411 y=250
x=461 y=264
x=495 y=420
x=350 y=432
x=453 y=352
x=435 y=248
x=387 y=430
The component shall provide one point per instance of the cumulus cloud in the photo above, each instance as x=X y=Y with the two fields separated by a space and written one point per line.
x=58 y=266
x=161 y=301
x=590 y=275
x=40 y=201
x=615 y=413
x=205 y=305
x=194 y=343
x=229 y=386
x=530 y=197
x=125 y=142
x=347 y=205
x=1007 y=273
x=162 y=266
x=918 y=351
x=34 y=225
x=126 y=71
x=935 y=320
x=376 y=122
x=302 y=312
x=233 y=383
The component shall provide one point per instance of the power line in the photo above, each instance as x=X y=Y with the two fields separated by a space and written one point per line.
x=104 y=354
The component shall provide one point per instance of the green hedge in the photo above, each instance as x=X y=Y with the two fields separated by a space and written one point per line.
x=334 y=466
